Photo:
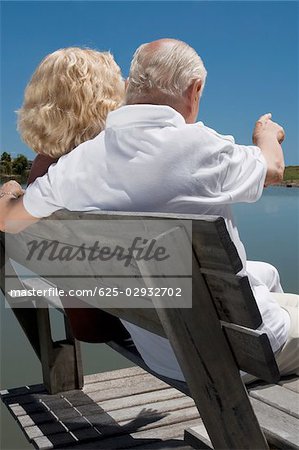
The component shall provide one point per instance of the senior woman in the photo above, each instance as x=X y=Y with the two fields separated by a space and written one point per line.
x=66 y=102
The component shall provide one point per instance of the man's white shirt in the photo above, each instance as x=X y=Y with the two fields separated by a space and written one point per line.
x=149 y=159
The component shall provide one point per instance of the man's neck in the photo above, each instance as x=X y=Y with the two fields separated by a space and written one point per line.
x=159 y=101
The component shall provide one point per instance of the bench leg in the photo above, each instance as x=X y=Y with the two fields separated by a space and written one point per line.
x=61 y=360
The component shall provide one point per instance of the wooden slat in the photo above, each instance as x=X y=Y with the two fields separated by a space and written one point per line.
x=113 y=375
x=56 y=441
x=134 y=400
x=26 y=399
x=279 y=397
x=119 y=393
x=233 y=298
x=198 y=437
x=214 y=247
x=131 y=412
x=125 y=215
x=167 y=432
x=17 y=410
x=47 y=429
x=252 y=351
x=9 y=394
x=139 y=380
x=34 y=431
x=143 y=439
x=291 y=383
x=36 y=419
x=281 y=429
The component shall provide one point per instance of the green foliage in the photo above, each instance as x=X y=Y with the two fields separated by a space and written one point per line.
x=5 y=157
x=5 y=167
x=291 y=173
x=19 y=164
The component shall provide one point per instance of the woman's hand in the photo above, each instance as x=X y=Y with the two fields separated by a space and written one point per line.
x=13 y=215
x=12 y=189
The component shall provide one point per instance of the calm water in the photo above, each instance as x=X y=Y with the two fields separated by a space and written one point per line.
x=270 y=232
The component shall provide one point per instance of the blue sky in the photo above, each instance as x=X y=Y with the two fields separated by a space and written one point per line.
x=250 y=50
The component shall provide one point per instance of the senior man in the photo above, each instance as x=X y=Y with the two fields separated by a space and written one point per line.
x=152 y=156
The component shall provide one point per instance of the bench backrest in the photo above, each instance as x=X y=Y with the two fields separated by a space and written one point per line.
x=212 y=340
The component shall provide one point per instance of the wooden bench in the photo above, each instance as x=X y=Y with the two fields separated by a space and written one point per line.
x=213 y=340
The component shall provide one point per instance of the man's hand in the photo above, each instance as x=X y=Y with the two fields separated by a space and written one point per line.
x=268 y=136
x=11 y=188
x=265 y=128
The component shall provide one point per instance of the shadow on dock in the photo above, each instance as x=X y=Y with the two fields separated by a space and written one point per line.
x=127 y=409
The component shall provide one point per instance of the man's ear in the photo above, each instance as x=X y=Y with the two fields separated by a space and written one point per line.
x=191 y=96
x=195 y=90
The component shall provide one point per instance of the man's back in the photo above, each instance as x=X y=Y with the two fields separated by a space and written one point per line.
x=148 y=158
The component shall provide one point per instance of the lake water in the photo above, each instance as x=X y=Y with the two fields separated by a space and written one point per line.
x=269 y=230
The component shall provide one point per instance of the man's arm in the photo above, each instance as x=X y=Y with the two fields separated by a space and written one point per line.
x=268 y=136
x=13 y=215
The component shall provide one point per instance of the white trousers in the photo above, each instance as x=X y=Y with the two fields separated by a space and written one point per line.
x=288 y=356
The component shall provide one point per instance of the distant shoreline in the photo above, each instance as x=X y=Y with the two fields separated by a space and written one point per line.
x=288 y=184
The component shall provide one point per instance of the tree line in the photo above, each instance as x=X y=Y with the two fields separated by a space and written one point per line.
x=13 y=166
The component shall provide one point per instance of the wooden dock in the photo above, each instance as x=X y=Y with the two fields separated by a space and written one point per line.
x=124 y=408
x=129 y=408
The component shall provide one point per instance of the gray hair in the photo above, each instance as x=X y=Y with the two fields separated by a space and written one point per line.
x=167 y=69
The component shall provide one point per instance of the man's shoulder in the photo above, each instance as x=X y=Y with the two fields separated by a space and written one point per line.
x=210 y=132
x=199 y=138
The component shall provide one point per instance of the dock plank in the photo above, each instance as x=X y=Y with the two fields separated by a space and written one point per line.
x=279 y=397
x=113 y=375
x=134 y=404
x=281 y=429
x=138 y=399
x=153 y=438
x=291 y=383
x=138 y=379
x=123 y=392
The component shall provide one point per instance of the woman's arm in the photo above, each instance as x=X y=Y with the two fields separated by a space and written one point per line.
x=13 y=215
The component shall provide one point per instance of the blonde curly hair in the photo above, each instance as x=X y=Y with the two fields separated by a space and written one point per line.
x=68 y=98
